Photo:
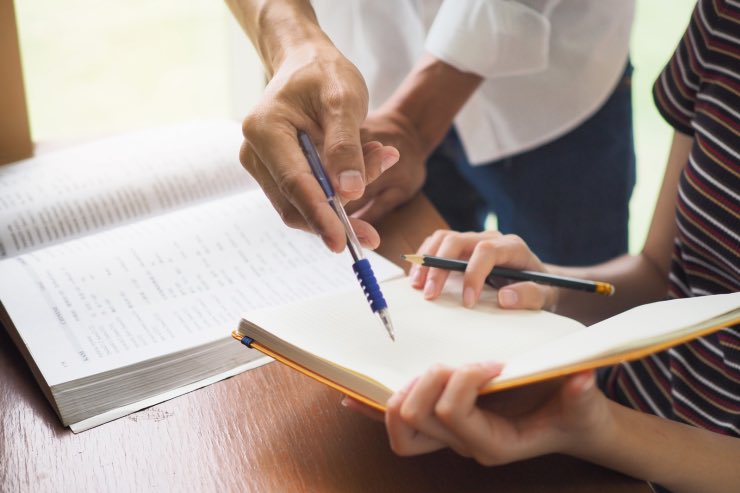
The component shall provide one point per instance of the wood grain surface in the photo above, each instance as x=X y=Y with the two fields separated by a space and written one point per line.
x=267 y=430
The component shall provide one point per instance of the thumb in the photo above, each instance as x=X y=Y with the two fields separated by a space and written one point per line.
x=343 y=156
x=523 y=295
x=579 y=386
x=361 y=408
x=580 y=396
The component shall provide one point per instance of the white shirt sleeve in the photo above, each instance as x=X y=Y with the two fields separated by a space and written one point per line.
x=492 y=38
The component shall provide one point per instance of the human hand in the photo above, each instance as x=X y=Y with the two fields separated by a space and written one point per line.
x=414 y=119
x=443 y=409
x=317 y=90
x=484 y=251
x=400 y=183
x=508 y=403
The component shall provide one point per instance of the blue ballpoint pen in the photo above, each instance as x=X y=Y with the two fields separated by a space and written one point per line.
x=361 y=265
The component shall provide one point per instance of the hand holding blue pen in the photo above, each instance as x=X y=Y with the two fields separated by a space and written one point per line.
x=361 y=265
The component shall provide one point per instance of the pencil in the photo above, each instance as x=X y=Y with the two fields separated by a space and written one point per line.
x=597 y=287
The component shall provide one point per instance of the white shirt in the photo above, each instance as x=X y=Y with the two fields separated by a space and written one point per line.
x=548 y=64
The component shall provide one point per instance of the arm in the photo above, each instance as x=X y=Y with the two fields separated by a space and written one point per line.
x=678 y=456
x=639 y=279
x=430 y=97
x=315 y=88
x=413 y=120
x=442 y=409
x=469 y=41
x=278 y=27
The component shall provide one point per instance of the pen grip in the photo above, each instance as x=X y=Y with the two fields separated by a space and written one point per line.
x=309 y=150
x=369 y=284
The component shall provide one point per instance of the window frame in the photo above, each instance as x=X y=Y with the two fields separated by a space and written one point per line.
x=15 y=131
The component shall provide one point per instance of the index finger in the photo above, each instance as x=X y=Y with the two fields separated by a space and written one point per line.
x=281 y=155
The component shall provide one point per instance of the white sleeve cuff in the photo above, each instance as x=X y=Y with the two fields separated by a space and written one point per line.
x=491 y=38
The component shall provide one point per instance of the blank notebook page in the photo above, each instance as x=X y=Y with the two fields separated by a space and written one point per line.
x=341 y=328
x=641 y=326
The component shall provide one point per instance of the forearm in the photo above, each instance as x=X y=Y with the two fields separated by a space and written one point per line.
x=429 y=98
x=636 y=281
x=680 y=457
x=276 y=27
x=638 y=278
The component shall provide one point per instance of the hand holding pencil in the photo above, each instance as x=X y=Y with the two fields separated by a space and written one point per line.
x=494 y=259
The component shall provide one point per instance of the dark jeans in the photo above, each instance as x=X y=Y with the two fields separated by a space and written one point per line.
x=568 y=199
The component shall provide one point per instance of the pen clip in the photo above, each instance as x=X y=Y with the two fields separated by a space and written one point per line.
x=309 y=150
x=314 y=162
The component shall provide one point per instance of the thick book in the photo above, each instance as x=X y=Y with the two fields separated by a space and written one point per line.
x=330 y=339
x=126 y=263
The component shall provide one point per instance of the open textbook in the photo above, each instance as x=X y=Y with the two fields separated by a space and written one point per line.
x=325 y=340
x=126 y=263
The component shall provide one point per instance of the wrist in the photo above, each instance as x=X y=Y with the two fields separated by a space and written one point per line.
x=595 y=435
x=287 y=27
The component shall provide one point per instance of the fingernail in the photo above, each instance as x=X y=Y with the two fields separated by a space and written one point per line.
x=329 y=244
x=394 y=400
x=590 y=381
x=508 y=297
x=364 y=241
x=430 y=289
x=469 y=297
x=351 y=181
x=493 y=366
x=415 y=276
x=407 y=387
x=344 y=402
x=387 y=162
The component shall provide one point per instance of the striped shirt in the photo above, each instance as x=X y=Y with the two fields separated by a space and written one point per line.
x=698 y=93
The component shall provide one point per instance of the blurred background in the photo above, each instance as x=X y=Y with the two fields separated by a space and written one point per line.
x=96 y=67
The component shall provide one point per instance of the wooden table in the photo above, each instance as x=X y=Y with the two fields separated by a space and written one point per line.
x=266 y=430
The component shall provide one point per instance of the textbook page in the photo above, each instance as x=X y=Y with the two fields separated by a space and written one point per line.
x=73 y=192
x=427 y=332
x=165 y=284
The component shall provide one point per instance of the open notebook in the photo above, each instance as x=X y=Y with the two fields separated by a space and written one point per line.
x=331 y=340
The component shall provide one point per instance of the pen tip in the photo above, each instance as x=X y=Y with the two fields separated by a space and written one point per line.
x=387 y=323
